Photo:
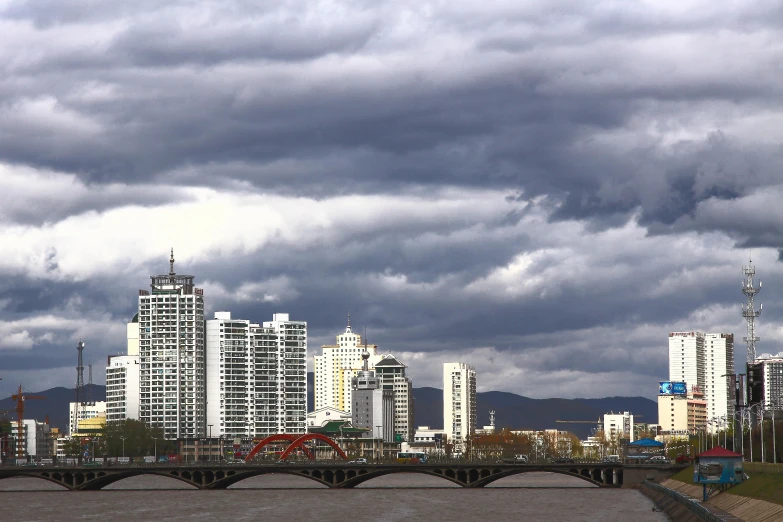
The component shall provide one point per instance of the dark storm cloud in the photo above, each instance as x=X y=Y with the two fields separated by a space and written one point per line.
x=636 y=146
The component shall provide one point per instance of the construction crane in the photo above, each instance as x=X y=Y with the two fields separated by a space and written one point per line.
x=20 y=397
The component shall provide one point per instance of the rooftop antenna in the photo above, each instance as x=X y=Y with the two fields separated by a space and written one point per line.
x=89 y=389
x=171 y=265
x=749 y=311
x=365 y=353
x=348 y=329
x=79 y=384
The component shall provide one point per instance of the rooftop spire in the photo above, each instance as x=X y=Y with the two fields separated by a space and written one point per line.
x=365 y=353
x=171 y=263
x=348 y=328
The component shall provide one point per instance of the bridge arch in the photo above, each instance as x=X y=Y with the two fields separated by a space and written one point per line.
x=276 y=438
x=255 y=472
x=21 y=474
x=111 y=478
x=488 y=475
x=361 y=478
x=313 y=436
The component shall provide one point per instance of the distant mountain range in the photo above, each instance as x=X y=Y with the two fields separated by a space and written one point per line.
x=55 y=404
x=511 y=410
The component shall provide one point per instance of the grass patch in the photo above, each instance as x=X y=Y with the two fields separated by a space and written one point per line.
x=763 y=486
x=685 y=475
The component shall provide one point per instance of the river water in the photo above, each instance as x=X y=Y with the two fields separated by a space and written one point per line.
x=400 y=497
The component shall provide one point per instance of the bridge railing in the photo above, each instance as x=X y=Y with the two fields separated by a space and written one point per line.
x=694 y=507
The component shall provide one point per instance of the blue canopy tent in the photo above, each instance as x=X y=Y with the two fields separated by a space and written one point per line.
x=643 y=448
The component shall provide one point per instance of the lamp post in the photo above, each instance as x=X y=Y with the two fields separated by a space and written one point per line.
x=210 y=441
x=761 y=426
x=156 y=448
x=123 y=447
x=774 y=449
x=380 y=444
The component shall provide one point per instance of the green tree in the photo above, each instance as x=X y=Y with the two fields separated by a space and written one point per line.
x=139 y=440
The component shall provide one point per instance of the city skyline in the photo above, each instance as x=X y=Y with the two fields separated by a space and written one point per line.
x=542 y=190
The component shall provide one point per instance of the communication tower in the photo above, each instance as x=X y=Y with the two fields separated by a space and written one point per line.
x=89 y=386
x=79 y=384
x=749 y=311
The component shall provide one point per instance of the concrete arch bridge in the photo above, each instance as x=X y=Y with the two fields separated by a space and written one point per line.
x=340 y=475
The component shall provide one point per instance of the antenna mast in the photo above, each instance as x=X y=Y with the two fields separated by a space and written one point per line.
x=79 y=383
x=749 y=311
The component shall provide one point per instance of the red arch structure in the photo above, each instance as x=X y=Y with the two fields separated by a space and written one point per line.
x=312 y=436
x=276 y=438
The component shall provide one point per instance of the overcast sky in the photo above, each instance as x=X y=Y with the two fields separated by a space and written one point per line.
x=543 y=189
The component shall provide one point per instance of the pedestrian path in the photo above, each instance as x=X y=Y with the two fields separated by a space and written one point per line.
x=736 y=506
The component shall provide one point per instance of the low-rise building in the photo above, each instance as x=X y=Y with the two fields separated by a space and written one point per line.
x=84 y=410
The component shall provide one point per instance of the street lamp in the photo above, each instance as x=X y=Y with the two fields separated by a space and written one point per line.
x=123 y=447
x=210 y=440
x=156 y=448
x=380 y=444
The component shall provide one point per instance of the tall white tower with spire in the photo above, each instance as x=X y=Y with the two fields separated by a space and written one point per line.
x=172 y=365
x=336 y=366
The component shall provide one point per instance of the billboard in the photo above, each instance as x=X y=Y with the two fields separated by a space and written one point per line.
x=672 y=388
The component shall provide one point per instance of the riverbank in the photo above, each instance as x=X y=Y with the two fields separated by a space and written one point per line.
x=756 y=500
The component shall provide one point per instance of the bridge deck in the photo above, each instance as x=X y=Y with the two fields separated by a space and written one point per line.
x=331 y=474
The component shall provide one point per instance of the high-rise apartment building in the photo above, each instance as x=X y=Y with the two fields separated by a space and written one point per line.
x=705 y=362
x=686 y=358
x=230 y=377
x=122 y=379
x=256 y=376
x=459 y=403
x=718 y=373
x=341 y=362
x=335 y=368
x=172 y=371
x=770 y=370
x=391 y=376
x=281 y=380
x=373 y=407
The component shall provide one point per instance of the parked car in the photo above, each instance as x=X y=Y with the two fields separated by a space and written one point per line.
x=520 y=459
x=358 y=461
x=683 y=459
x=658 y=458
x=612 y=458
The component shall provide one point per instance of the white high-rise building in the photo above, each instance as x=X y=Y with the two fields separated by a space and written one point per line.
x=230 y=377
x=772 y=376
x=122 y=379
x=686 y=358
x=718 y=373
x=172 y=370
x=282 y=386
x=391 y=374
x=122 y=388
x=459 y=403
x=256 y=376
x=705 y=361
x=335 y=368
